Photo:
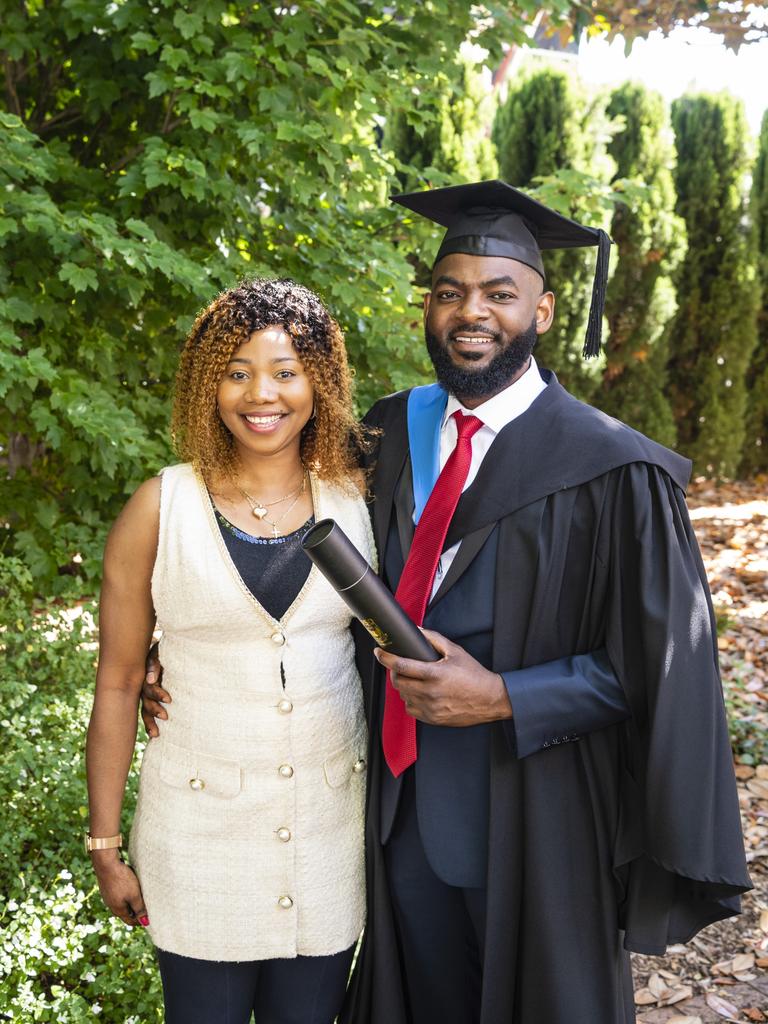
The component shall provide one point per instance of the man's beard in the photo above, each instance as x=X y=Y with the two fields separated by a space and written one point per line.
x=482 y=383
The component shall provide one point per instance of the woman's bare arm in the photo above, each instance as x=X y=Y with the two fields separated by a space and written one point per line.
x=126 y=621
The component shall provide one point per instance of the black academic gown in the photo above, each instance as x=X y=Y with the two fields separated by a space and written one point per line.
x=632 y=833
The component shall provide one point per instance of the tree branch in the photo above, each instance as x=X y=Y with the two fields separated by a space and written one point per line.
x=28 y=69
x=174 y=124
x=64 y=117
x=167 y=127
x=10 y=87
x=48 y=82
x=126 y=158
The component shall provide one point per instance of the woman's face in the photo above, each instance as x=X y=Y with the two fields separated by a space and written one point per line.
x=265 y=398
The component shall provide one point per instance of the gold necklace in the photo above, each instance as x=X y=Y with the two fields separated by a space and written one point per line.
x=259 y=509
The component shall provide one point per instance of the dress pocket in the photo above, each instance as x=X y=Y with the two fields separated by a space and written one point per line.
x=200 y=773
x=346 y=763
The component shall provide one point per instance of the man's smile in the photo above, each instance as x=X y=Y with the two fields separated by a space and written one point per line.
x=472 y=347
x=473 y=339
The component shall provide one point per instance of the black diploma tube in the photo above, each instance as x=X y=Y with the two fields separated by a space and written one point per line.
x=357 y=584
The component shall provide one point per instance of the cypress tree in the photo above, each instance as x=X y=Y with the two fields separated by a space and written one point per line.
x=539 y=130
x=714 y=331
x=756 y=441
x=648 y=243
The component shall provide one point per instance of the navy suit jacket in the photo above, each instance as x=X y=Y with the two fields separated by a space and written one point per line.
x=552 y=703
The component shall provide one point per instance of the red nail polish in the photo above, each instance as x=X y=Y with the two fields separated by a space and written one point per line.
x=144 y=920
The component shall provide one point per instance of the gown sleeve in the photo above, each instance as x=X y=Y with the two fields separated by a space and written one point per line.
x=679 y=853
x=561 y=701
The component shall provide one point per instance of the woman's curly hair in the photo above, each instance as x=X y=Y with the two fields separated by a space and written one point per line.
x=331 y=438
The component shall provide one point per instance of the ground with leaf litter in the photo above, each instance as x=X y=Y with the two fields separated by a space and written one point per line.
x=722 y=974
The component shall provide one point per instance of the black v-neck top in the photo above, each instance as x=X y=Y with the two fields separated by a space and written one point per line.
x=273 y=569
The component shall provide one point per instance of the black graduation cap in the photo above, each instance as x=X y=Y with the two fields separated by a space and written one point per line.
x=491 y=218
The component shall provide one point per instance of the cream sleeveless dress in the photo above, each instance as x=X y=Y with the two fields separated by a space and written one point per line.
x=248 y=832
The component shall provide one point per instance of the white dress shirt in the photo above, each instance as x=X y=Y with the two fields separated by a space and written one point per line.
x=496 y=413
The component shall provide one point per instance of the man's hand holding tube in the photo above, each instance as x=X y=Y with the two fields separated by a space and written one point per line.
x=454 y=691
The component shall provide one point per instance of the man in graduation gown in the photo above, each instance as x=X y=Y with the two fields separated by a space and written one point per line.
x=558 y=789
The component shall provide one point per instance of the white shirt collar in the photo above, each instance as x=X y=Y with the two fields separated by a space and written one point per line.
x=500 y=410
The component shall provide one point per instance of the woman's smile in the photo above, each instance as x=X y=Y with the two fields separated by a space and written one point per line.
x=263 y=422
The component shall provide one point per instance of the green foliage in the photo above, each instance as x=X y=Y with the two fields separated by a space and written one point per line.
x=648 y=242
x=714 y=332
x=467 y=151
x=749 y=738
x=442 y=145
x=61 y=955
x=538 y=128
x=756 y=442
x=547 y=126
x=448 y=143
x=151 y=154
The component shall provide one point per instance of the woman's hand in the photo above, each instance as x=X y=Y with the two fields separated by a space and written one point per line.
x=120 y=890
x=126 y=622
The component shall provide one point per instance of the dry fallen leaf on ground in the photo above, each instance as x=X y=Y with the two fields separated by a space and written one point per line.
x=644 y=997
x=759 y=787
x=676 y=995
x=722 y=1006
x=737 y=965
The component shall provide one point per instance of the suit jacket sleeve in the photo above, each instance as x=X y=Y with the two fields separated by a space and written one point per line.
x=680 y=853
x=562 y=700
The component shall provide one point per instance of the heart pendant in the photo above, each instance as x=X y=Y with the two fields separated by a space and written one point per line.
x=259 y=511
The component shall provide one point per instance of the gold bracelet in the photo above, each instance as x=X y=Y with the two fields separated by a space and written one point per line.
x=105 y=843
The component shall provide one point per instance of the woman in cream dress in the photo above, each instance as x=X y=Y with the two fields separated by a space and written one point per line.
x=247 y=843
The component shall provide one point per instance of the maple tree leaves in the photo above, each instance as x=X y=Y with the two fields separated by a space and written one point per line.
x=737 y=22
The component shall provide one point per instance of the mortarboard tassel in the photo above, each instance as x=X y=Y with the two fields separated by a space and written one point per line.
x=595 y=322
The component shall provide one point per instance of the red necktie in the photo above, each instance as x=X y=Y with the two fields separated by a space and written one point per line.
x=415 y=586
